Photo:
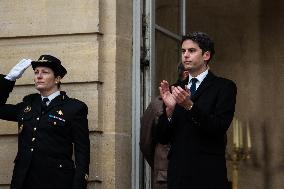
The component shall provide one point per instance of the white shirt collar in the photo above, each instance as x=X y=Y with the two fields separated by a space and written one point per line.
x=200 y=78
x=52 y=96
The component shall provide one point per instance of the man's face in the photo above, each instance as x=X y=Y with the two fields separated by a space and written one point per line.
x=44 y=79
x=193 y=59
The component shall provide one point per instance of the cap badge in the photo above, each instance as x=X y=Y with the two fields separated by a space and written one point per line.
x=42 y=60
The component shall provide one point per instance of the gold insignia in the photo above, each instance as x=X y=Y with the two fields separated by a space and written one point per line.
x=86 y=177
x=42 y=60
x=27 y=109
x=60 y=112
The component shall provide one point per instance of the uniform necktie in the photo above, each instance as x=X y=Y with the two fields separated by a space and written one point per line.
x=193 y=86
x=43 y=104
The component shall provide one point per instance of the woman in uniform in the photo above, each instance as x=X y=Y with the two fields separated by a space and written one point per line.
x=52 y=129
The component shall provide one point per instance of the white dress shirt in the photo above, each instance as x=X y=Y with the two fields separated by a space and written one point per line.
x=199 y=78
x=51 y=97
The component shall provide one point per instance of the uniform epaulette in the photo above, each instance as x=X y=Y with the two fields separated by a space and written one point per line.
x=30 y=97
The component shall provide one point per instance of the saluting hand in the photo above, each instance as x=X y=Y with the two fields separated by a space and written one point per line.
x=17 y=71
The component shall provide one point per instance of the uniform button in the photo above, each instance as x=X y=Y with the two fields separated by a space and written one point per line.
x=22 y=118
x=37 y=118
x=32 y=149
x=33 y=139
x=54 y=123
x=34 y=128
x=20 y=128
x=60 y=166
x=86 y=177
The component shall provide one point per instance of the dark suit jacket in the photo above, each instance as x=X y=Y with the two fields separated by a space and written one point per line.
x=198 y=136
x=45 y=142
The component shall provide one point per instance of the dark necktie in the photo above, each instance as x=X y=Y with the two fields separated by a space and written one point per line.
x=193 y=86
x=43 y=104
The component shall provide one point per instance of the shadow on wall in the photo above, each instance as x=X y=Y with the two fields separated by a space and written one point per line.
x=262 y=159
x=271 y=41
x=266 y=157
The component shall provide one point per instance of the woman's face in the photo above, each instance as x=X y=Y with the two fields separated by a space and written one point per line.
x=45 y=80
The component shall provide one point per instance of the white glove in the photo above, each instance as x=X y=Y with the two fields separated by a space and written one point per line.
x=17 y=71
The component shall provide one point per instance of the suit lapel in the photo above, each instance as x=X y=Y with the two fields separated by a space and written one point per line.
x=208 y=80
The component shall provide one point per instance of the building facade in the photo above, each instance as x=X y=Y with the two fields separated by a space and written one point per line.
x=116 y=52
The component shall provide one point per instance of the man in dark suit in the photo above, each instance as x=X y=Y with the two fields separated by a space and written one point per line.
x=52 y=127
x=195 y=120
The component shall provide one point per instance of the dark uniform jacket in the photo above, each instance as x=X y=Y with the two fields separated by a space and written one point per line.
x=47 y=141
x=198 y=136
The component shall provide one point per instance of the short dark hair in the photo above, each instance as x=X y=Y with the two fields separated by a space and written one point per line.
x=203 y=40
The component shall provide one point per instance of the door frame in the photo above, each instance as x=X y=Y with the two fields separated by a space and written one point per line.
x=143 y=77
x=136 y=176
